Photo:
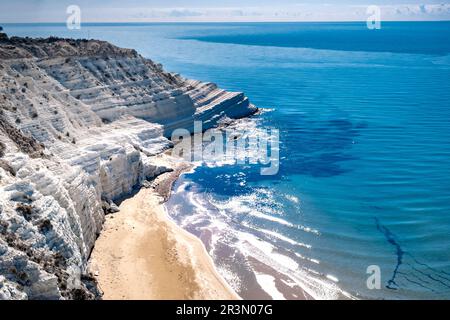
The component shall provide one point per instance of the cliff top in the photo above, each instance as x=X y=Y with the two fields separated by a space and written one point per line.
x=52 y=47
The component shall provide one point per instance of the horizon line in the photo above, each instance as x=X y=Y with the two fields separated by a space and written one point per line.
x=198 y=22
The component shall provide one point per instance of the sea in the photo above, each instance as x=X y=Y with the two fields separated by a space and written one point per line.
x=360 y=205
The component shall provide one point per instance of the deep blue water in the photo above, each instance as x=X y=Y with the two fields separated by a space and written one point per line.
x=364 y=177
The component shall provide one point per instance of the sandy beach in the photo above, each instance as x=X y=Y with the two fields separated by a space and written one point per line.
x=141 y=254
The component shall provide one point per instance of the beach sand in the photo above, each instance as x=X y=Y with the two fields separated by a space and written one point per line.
x=141 y=254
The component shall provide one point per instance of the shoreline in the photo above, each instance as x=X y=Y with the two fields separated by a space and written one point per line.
x=142 y=254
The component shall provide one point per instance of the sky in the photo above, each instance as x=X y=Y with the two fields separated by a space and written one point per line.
x=31 y=11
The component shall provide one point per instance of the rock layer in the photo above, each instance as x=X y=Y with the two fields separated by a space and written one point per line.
x=80 y=124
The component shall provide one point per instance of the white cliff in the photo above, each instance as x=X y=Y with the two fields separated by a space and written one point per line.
x=81 y=125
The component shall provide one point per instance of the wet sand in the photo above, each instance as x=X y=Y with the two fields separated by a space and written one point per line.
x=141 y=254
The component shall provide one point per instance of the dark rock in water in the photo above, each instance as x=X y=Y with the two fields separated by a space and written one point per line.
x=3 y=36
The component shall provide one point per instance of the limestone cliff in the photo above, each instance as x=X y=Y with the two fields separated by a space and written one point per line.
x=81 y=123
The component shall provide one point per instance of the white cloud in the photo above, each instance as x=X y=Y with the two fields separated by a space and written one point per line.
x=307 y=12
x=289 y=12
x=418 y=12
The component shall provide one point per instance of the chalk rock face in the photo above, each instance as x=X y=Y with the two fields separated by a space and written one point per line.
x=81 y=125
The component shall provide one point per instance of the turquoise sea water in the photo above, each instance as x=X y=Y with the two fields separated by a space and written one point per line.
x=364 y=177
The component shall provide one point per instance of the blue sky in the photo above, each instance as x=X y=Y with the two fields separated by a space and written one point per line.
x=224 y=10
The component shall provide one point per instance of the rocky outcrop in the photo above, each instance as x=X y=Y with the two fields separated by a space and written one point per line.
x=81 y=123
x=25 y=144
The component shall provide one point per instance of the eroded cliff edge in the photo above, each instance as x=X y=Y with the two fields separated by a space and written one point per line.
x=80 y=124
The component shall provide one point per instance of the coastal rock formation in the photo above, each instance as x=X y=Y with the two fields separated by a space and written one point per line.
x=80 y=125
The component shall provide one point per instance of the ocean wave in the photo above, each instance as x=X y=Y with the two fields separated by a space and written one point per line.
x=246 y=254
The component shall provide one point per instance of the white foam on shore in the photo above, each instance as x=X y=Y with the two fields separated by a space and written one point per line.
x=231 y=278
x=182 y=187
x=257 y=243
x=285 y=261
x=306 y=258
x=260 y=215
x=267 y=283
x=252 y=205
x=225 y=222
x=284 y=238
x=332 y=278
x=314 y=285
